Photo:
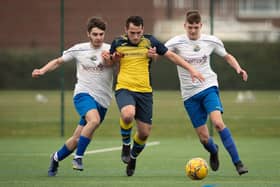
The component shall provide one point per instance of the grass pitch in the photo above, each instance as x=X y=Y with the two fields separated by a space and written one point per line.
x=30 y=132
x=25 y=162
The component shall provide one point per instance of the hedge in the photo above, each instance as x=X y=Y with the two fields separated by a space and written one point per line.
x=261 y=60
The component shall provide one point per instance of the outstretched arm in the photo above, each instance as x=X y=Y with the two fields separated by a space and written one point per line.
x=181 y=62
x=50 y=66
x=235 y=65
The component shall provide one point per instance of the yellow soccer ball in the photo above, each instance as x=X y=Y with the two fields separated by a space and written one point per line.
x=197 y=169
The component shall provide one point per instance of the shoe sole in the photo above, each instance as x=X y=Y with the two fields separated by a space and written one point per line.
x=75 y=167
x=78 y=169
x=52 y=174
x=243 y=172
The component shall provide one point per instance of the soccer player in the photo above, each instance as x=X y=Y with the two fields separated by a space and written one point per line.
x=134 y=52
x=93 y=90
x=202 y=98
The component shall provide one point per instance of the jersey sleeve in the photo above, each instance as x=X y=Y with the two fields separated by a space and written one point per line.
x=113 y=47
x=170 y=44
x=69 y=54
x=219 y=48
x=160 y=47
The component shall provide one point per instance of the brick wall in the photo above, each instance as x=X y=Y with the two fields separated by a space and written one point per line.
x=36 y=23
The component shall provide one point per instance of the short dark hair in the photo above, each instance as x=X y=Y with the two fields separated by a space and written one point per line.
x=193 y=16
x=135 y=20
x=96 y=22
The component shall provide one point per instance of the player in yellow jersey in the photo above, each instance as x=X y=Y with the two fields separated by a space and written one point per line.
x=134 y=52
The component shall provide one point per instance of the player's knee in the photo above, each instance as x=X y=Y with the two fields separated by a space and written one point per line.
x=127 y=117
x=94 y=122
x=219 y=125
x=127 y=114
x=141 y=138
x=127 y=120
x=144 y=136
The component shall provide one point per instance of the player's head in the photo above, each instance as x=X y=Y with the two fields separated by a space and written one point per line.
x=134 y=29
x=96 y=31
x=193 y=24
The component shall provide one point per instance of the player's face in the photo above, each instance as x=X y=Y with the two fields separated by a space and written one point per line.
x=134 y=33
x=193 y=30
x=96 y=37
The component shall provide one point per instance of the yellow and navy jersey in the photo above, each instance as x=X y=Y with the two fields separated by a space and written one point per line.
x=135 y=66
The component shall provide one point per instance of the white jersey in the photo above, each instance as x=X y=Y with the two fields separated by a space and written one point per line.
x=197 y=53
x=92 y=76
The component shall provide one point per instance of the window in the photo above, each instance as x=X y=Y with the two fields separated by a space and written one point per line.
x=259 y=8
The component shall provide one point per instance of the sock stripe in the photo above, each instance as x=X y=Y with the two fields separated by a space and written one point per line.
x=124 y=125
x=138 y=140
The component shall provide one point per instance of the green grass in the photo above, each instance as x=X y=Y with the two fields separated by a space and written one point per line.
x=24 y=163
x=30 y=131
x=21 y=115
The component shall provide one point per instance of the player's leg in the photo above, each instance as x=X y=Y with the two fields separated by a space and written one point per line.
x=198 y=115
x=126 y=124
x=214 y=107
x=126 y=104
x=93 y=113
x=71 y=143
x=93 y=120
x=143 y=116
x=139 y=143
x=69 y=146
x=208 y=143
x=227 y=140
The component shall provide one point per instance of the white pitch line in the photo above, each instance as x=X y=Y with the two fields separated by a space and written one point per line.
x=87 y=152
x=116 y=148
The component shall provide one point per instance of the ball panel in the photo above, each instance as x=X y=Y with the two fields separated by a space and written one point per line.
x=196 y=168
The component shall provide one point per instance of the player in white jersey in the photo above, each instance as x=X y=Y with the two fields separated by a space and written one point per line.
x=202 y=98
x=93 y=90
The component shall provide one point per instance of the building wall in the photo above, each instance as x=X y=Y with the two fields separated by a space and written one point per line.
x=36 y=23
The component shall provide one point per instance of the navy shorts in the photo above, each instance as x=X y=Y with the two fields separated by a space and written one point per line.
x=83 y=103
x=202 y=104
x=143 y=103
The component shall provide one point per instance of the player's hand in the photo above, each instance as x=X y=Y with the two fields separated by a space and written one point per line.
x=107 y=58
x=243 y=73
x=105 y=55
x=152 y=53
x=37 y=73
x=196 y=75
x=116 y=57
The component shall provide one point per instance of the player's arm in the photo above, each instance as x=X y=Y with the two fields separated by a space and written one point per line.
x=107 y=57
x=231 y=60
x=181 y=62
x=115 y=56
x=152 y=53
x=50 y=66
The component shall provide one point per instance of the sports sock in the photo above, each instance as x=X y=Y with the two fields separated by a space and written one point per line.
x=125 y=131
x=138 y=146
x=229 y=144
x=210 y=146
x=82 y=145
x=63 y=152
